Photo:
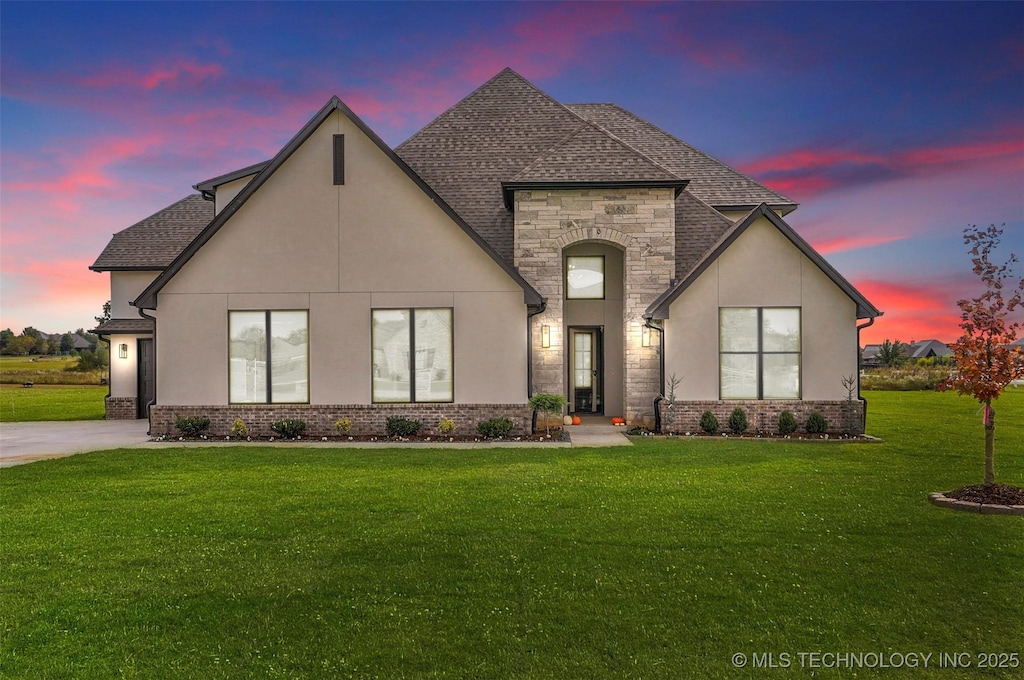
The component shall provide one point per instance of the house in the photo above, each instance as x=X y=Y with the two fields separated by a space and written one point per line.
x=514 y=245
x=927 y=349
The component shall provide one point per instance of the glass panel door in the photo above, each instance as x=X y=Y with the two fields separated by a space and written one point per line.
x=585 y=370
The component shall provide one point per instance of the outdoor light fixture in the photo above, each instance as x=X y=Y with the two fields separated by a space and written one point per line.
x=645 y=336
x=122 y=350
x=545 y=336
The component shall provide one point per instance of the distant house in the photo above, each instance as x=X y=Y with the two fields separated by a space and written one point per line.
x=514 y=245
x=927 y=349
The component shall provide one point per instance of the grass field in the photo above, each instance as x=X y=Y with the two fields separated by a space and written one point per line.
x=661 y=560
x=51 y=402
x=46 y=370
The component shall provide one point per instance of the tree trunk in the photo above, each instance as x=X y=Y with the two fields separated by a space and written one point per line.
x=990 y=440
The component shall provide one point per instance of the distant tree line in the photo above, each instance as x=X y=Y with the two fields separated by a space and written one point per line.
x=35 y=342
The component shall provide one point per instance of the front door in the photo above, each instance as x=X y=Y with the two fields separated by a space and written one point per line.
x=147 y=377
x=586 y=371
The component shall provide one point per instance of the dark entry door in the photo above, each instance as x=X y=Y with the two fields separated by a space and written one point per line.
x=147 y=376
x=586 y=374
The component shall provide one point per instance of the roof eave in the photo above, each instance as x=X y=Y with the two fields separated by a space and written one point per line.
x=784 y=208
x=509 y=188
x=209 y=186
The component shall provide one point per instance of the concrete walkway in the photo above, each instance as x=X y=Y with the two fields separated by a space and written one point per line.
x=28 y=442
x=22 y=443
x=597 y=435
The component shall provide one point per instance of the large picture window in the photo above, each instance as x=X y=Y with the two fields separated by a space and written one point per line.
x=584 y=277
x=759 y=352
x=412 y=355
x=269 y=357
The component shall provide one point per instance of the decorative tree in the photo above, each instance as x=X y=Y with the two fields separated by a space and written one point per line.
x=548 y=404
x=984 y=362
x=892 y=353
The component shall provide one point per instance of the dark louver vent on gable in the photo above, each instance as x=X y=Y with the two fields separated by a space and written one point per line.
x=339 y=159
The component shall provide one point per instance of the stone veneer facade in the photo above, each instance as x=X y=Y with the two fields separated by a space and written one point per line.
x=367 y=419
x=641 y=223
x=762 y=416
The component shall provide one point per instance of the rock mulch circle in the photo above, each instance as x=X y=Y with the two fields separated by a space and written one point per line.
x=997 y=499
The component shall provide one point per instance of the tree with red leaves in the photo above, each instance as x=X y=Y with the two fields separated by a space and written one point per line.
x=984 y=362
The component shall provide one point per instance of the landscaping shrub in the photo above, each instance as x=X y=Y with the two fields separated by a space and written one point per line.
x=787 y=422
x=446 y=426
x=238 y=428
x=192 y=426
x=343 y=426
x=816 y=423
x=495 y=428
x=397 y=426
x=289 y=428
x=708 y=422
x=738 y=421
x=905 y=378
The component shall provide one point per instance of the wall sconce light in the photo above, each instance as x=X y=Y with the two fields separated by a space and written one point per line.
x=645 y=336
x=122 y=351
x=545 y=336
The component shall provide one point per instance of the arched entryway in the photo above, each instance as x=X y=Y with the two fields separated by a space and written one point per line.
x=593 y=328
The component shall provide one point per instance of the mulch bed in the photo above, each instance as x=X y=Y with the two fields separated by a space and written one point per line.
x=996 y=494
x=556 y=436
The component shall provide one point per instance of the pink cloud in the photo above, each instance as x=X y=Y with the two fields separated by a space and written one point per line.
x=179 y=73
x=838 y=244
x=809 y=172
x=915 y=310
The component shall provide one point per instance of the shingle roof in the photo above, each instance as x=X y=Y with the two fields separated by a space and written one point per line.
x=155 y=241
x=590 y=154
x=712 y=181
x=487 y=138
x=112 y=326
x=698 y=228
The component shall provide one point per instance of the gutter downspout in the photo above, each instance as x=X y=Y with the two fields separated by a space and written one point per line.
x=529 y=356
x=861 y=399
x=149 y=415
x=661 y=372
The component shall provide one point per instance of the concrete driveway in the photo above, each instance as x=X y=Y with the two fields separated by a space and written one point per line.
x=28 y=442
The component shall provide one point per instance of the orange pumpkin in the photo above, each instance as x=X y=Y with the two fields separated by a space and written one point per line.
x=576 y=420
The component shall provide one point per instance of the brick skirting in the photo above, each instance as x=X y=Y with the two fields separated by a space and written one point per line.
x=763 y=416
x=121 y=408
x=366 y=419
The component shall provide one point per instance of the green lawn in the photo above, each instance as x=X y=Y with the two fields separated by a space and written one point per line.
x=46 y=370
x=658 y=561
x=51 y=402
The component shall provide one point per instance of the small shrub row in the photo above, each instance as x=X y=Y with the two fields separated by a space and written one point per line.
x=787 y=424
x=495 y=428
x=290 y=428
x=192 y=426
x=395 y=426
x=398 y=426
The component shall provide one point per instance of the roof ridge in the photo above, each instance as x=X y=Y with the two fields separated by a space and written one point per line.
x=607 y=133
x=507 y=70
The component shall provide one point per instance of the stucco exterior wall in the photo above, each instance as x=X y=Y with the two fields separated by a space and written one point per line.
x=228 y=190
x=377 y=241
x=762 y=269
x=124 y=372
x=125 y=287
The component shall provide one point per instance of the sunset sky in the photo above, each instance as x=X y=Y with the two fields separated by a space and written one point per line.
x=894 y=125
